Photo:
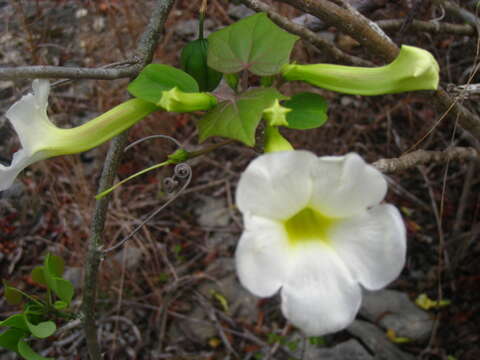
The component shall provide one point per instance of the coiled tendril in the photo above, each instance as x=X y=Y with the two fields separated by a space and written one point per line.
x=181 y=173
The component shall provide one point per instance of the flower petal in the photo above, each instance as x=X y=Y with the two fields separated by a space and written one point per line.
x=346 y=185
x=372 y=245
x=28 y=117
x=320 y=296
x=262 y=256
x=276 y=185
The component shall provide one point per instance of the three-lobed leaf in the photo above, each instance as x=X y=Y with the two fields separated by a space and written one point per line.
x=309 y=111
x=238 y=118
x=157 y=78
x=254 y=43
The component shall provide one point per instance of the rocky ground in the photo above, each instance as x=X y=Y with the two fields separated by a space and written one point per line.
x=172 y=292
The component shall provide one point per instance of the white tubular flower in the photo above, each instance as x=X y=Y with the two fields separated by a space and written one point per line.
x=41 y=139
x=28 y=117
x=316 y=231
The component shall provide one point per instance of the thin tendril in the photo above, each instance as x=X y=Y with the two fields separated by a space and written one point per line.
x=188 y=175
x=175 y=141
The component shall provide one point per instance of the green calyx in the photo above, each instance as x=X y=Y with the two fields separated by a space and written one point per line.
x=276 y=115
x=308 y=225
x=274 y=141
x=175 y=100
x=413 y=69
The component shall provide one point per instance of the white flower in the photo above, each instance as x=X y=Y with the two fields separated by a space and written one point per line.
x=41 y=139
x=316 y=231
x=28 y=117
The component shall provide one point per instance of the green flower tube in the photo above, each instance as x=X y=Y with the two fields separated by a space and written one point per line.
x=41 y=139
x=274 y=141
x=176 y=100
x=413 y=69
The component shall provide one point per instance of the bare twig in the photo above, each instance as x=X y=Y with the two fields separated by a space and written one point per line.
x=428 y=26
x=145 y=50
x=356 y=25
x=459 y=12
x=316 y=40
x=60 y=72
x=420 y=157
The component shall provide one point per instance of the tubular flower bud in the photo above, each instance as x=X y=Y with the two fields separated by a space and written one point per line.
x=413 y=69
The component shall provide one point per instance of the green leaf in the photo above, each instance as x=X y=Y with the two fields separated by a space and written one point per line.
x=38 y=275
x=53 y=268
x=156 y=78
x=16 y=321
x=194 y=61
x=254 y=43
x=54 y=264
x=27 y=352
x=63 y=289
x=41 y=330
x=60 y=305
x=238 y=119
x=12 y=295
x=9 y=339
x=309 y=111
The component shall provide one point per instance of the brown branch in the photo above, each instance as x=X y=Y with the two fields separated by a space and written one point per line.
x=61 y=72
x=353 y=23
x=428 y=26
x=420 y=157
x=459 y=12
x=306 y=34
x=145 y=49
x=371 y=36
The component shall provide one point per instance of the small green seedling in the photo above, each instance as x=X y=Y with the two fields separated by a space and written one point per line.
x=40 y=314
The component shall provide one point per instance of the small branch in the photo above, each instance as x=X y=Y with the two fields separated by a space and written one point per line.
x=428 y=26
x=95 y=242
x=350 y=22
x=306 y=34
x=420 y=157
x=60 y=72
x=459 y=12
x=146 y=48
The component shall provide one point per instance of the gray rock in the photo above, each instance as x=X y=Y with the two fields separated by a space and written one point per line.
x=309 y=21
x=132 y=255
x=74 y=275
x=188 y=29
x=213 y=213
x=348 y=350
x=377 y=342
x=241 y=304
x=394 y=310
x=238 y=12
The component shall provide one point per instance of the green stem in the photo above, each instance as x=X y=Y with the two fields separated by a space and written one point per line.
x=153 y=167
